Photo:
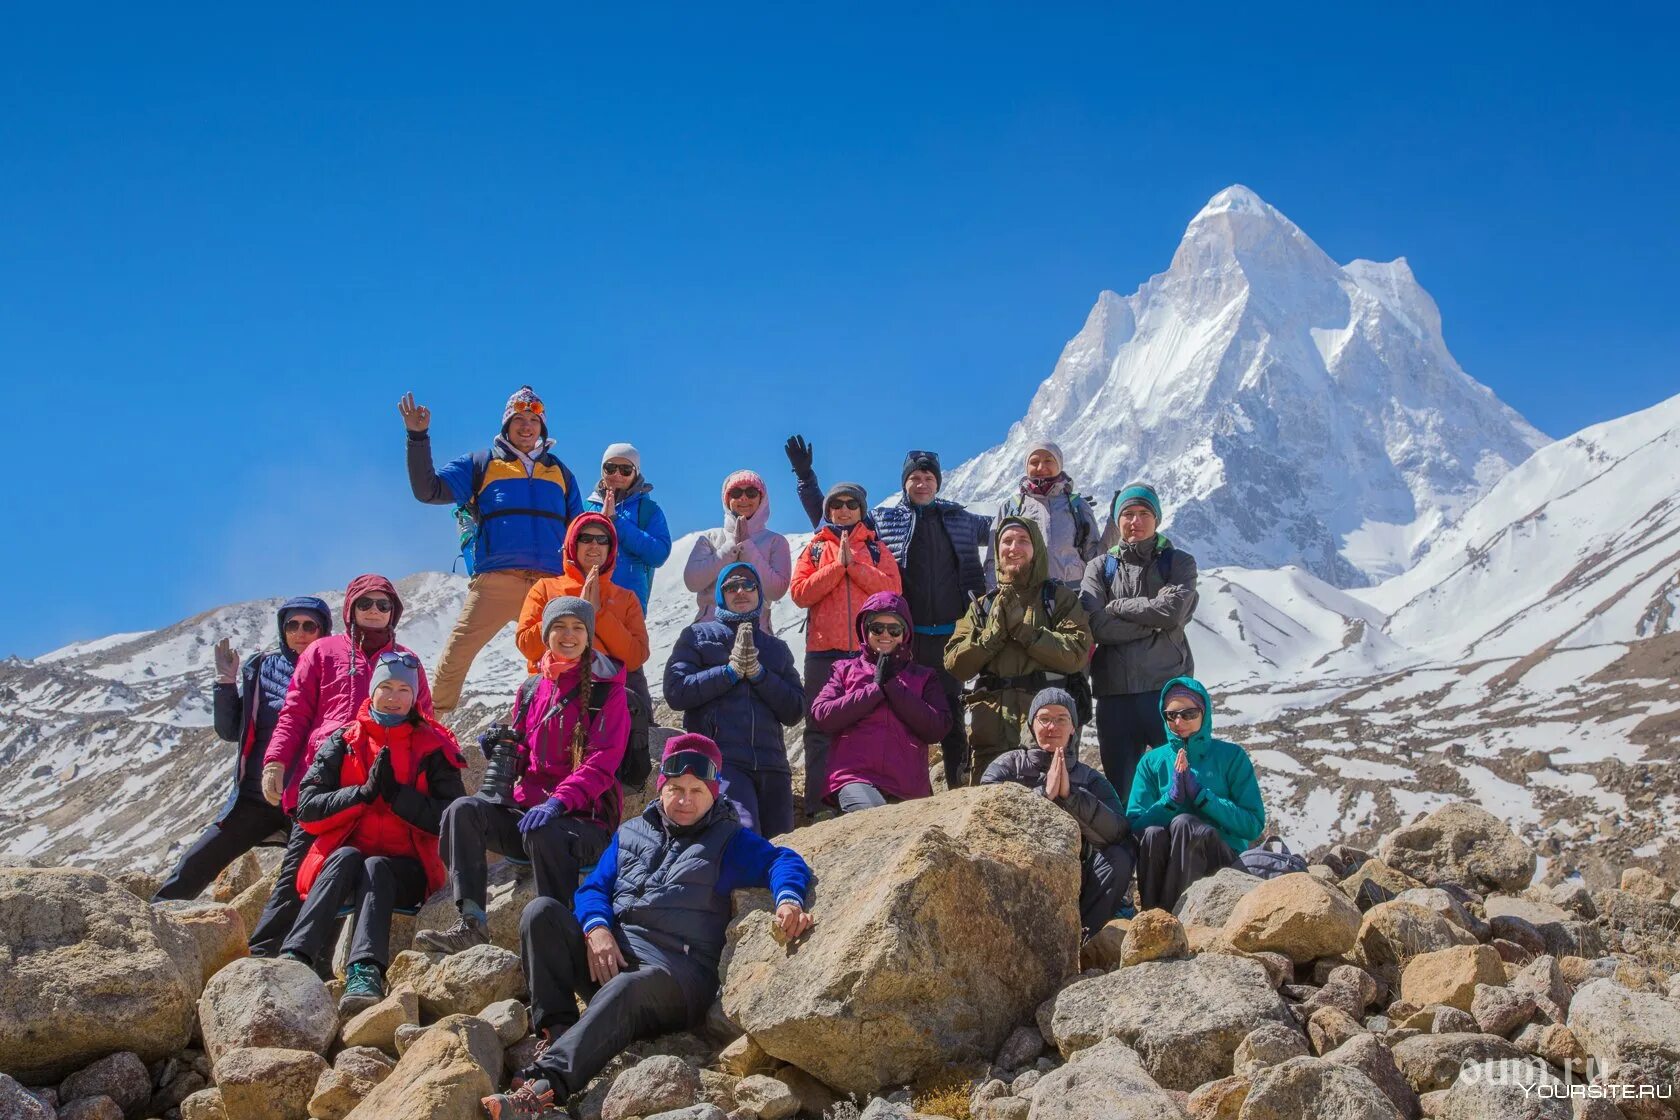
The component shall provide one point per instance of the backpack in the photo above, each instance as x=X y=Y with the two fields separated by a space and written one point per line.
x=1163 y=565
x=1078 y=685
x=637 y=763
x=1081 y=525
x=1264 y=863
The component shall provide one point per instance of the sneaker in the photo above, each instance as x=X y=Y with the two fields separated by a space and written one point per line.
x=364 y=986
x=458 y=938
x=288 y=955
x=530 y=1101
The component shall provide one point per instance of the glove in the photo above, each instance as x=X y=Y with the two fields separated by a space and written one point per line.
x=227 y=663
x=379 y=774
x=541 y=815
x=800 y=454
x=743 y=658
x=1185 y=788
x=881 y=661
x=273 y=783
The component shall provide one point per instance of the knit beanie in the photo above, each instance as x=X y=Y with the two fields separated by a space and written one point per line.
x=698 y=744
x=522 y=401
x=1138 y=493
x=623 y=451
x=1046 y=445
x=921 y=461
x=393 y=669
x=568 y=606
x=847 y=490
x=1183 y=692
x=1051 y=696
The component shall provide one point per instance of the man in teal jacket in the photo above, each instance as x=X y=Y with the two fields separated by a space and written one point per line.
x=1195 y=802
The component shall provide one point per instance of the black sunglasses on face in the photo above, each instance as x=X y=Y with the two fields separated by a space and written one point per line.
x=1178 y=715
x=738 y=585
x=744 y=492
x=624 y=469
x=593 y=538
x=891 y=629
x=368 y=604
x=845 y=503
x=306 y=625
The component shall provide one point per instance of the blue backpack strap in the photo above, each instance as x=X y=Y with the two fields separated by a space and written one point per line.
x=1111 y=567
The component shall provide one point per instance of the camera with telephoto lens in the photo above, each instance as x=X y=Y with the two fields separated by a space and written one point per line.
x=500 y=744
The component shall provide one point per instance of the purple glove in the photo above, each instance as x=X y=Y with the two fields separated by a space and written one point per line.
x=1185 y=788
x=541 y=815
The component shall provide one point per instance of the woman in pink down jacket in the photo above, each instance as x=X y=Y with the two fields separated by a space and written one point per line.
x=883 y=710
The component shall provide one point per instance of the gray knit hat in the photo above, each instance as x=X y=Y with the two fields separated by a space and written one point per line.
x=847 y=490
x=568 y=606
x=401 y=667
x=1054 y=695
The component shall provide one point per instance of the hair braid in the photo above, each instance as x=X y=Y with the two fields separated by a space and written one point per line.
x=580 y=730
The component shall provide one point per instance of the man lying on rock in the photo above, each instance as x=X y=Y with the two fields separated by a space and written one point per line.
x=643 y=939
x=1106 y=850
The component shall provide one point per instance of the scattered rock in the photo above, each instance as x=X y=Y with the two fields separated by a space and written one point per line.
x=1269 y=1044
x=1450 y=976
x=765 y=1098
x=744 y=1056
x=1392 y=933
x=693 y=1112
x=658 y=1084
x=907 y=974
x=814 y=1097
x=1432 y=1061
x=443 y=1075
x=352 y=1077
x=236 y=878
x=1218 y=1100
x=1504 y=1091
x=466 y=982
x=1501 y=1011
x=266 y=1004
x=1442 y=901
x=206 y=1104
x=122 y=1077
x=509 y=1019
x=1329 y=1027
x=1463 y=844
x=1385 y=883
x=16 y=1103
x=91 y=1108
x=1646 y=884
x=377 y=1025
x=1021 y=1048
x=1449 y=1020
x=268 y=1083
x=218 y=930
x=408 y=966
x=1106 y=1081
x=1153 y=935
x=1104 y=949
x=1295 y=915
x=1619 y=1027
x=408 y=1034
x=1369 y=1056
x=1210 y=900
x=1312 y=1087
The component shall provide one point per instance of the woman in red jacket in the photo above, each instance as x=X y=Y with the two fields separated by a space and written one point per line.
x=373 y=799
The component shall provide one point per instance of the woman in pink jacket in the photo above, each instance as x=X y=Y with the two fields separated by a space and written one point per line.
x=882 y=711
x=746 y=537
x=329 y=686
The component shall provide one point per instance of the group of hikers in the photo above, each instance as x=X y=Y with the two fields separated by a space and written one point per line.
x=914 y=638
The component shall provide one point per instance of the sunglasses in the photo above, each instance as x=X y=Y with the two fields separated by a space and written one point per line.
x=370 y=604
x=739 y=585
x=845 y=503
x=624 y=469
x=744 y=492
x=891 y=629
x=930 y=456
x=533 y=407
x=692 y=763
x=1181 y=715
x=406 y=660
x=594 y=538
x=304 y=625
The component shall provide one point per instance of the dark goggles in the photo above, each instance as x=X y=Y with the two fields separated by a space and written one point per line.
x=692 y=763
x=406 y=660
x=739 y=585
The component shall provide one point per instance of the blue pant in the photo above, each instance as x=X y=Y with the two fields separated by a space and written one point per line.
x=763 y=798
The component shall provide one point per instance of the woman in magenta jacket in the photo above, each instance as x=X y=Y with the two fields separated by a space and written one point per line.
x=883 y=710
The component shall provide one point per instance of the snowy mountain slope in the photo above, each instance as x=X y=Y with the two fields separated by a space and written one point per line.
x=1291 y=411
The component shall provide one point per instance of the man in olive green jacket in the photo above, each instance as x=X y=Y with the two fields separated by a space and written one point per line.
x=1027 y=635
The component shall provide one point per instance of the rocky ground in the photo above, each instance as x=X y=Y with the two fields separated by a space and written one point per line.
x=1428 y=976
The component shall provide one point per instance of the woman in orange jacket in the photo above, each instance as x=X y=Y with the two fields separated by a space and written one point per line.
x=844 y=564
x=620 y=629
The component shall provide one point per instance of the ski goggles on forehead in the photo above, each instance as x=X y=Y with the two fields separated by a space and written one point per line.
x=406 y=660
x=535 y=408
x=919 y=457
x=692 y=763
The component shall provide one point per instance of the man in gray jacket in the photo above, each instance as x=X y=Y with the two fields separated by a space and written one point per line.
x=1140 y=595
x=1107 y=853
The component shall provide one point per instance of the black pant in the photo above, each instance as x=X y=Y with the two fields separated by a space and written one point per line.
x=656 y=994
x=818 y=668
x=1128 y=725
x=1104 y=875
x=557 y=851
x=376 y=886
x=281 y=911
x=247 y=824
x=929 y=650
x=1171 y=858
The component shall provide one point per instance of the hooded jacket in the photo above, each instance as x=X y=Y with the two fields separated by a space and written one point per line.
x=620 y=627
x=1229 y=799
x=522 y=514
x=832 y=592
x=1016 y=637
x=1091 y=799
x=744 y=718
x=329 y=686
x=247 y=713
x=749 y=542
x=881 y=732
x=643 y=549
x=427 y=763
x=1066 y=523
x=545 y=728
x=1139 y=615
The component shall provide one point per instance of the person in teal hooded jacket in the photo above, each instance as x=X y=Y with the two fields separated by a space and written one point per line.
x=1195 y=803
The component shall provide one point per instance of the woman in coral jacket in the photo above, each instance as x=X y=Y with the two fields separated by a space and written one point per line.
x=590 y=555
x=882 y=711
x=373 y=800
x=745 y=538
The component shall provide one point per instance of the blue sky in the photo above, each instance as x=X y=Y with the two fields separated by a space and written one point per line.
x=229 y=240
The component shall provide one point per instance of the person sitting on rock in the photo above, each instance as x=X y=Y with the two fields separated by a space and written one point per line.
x=1106 y=851
x=590 y=555
x=1195 y=802
x=373 y=799
x=247 y=703
x=572 y=723
x=883 y=711
x=1028 y=634
x=643 y=941
x=733 y=679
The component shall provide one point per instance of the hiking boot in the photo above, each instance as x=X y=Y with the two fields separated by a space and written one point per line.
x=531 y=1101
x=289 y=955
x=458 y=938
x=364 y=986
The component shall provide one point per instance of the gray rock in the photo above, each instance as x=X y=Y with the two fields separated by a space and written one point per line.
x=1504 y=1091
x=1501 y=1011
x=1106 y=1081
x=509 y=1018
x=267 y=1004
x=658 y=1084
x=1432 y=1061
x=1464 y=844
x=122 y=1077
x=1209 y=901
x=1269 y=1044
x=1021 y=1048
x=765 y=1098
x=16 y=1103
x=1620 y=1027
x=1369 y=1056
x=693 y=1112
x=91 y=1108
x=1313 y=1087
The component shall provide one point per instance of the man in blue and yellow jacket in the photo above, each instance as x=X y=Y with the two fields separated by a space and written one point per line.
x=514 y=503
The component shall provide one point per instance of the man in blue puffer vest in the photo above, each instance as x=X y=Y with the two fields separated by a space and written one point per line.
x=517 y=499
x=644 y=937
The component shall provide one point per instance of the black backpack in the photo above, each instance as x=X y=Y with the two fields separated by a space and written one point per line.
x=637 y=763
x=1163 y=565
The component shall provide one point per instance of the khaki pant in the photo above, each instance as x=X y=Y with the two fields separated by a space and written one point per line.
x=493 y=601
x=995 y=725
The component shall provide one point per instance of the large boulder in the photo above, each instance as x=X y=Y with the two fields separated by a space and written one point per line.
x=1296 y=915
x=1463 y=844
x=1432 y=1061
x=454 y=1064
x=268 y=1003
x=1184 y=1018
x=1209 y=900
x=1107 y=1081
x=940 y=925
x=1450 y=976
x=88 y=970
x=467 y=982
x=218 y=929
x=659 y=1084
x=264 y=1083
x=1506 y=1091
x=1313 y=1087
x=1392 y=933
x=1619 y=1027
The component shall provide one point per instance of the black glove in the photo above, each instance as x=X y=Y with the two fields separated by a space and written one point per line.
x=881 y=661
x=800 y=454
x=380 y=777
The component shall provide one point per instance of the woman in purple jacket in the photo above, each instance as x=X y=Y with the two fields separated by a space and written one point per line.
x=883 y=710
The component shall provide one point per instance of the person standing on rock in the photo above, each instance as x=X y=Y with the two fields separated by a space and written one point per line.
x=842 y=566
x=735 y=681
x=514 y=503
x=644 y=540
x=1027 y=635
x=1140 y=595
x=1195 y=804
x=1051 y=766
x=883 y=710
x=329 y=686
x=373 y=800
x=1064 y=518
x=590 y=555
x=746 y=537
x=572 y=724
x=247 y=704
x=643 y=942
